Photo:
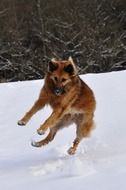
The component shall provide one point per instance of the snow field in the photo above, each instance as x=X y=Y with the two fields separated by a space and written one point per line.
x=100 y=162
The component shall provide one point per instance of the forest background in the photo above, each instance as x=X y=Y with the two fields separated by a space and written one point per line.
x=32 y=32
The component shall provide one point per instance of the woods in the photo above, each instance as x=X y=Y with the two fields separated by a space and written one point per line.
x=93 y=32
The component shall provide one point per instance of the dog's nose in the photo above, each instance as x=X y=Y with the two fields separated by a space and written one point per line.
x=59 y=91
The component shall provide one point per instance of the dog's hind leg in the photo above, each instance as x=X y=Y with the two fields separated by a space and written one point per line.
x=83 y=130
x=73 y=149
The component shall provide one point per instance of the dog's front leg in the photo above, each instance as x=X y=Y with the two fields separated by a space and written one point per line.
x=39 y=104
x=59 y=112
x=54 y=118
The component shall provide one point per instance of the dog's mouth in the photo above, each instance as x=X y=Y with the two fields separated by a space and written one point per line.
x=58 y=91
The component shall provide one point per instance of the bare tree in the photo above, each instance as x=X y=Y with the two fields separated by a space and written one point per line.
x=92 y=32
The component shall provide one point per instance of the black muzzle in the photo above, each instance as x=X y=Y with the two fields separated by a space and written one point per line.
x=59 y=91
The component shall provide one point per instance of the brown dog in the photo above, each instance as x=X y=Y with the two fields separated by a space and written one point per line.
x=71 y=99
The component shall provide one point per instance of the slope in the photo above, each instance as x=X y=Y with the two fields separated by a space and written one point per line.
x=100 y=162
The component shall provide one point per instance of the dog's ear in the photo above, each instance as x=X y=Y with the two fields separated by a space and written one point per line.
x=71 y=68
x=52 y=65
x=71 y=60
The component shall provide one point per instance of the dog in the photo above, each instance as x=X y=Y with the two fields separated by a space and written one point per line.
x=71 y=99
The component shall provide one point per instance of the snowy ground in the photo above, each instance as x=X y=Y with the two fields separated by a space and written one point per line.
x=100 y=162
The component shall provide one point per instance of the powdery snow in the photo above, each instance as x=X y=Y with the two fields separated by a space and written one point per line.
x=100 y=162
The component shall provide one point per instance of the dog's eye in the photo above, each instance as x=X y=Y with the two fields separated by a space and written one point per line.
x=63 y=80
x=56 y=79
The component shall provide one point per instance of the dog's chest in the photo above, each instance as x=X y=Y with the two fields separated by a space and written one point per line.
x=55 y=101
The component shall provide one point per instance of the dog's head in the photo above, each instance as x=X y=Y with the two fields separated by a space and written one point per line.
x=61 y=74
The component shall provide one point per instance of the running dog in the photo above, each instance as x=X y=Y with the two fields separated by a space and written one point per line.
x=71 y=99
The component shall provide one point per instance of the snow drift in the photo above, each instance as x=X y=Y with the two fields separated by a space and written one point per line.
x=100 y=162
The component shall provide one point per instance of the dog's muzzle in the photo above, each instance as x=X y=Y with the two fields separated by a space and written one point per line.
x=59 y=91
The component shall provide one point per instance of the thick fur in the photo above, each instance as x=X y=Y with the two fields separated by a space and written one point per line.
x=71 y=99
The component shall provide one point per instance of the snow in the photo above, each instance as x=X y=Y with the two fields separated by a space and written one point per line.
x=100 y=162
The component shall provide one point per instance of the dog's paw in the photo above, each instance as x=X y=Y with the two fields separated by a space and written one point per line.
x=71 y=151
x=40 y=132
x=21 y=122
x=35 y=144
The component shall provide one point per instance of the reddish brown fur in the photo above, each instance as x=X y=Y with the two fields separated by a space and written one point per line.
x=76 y=104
